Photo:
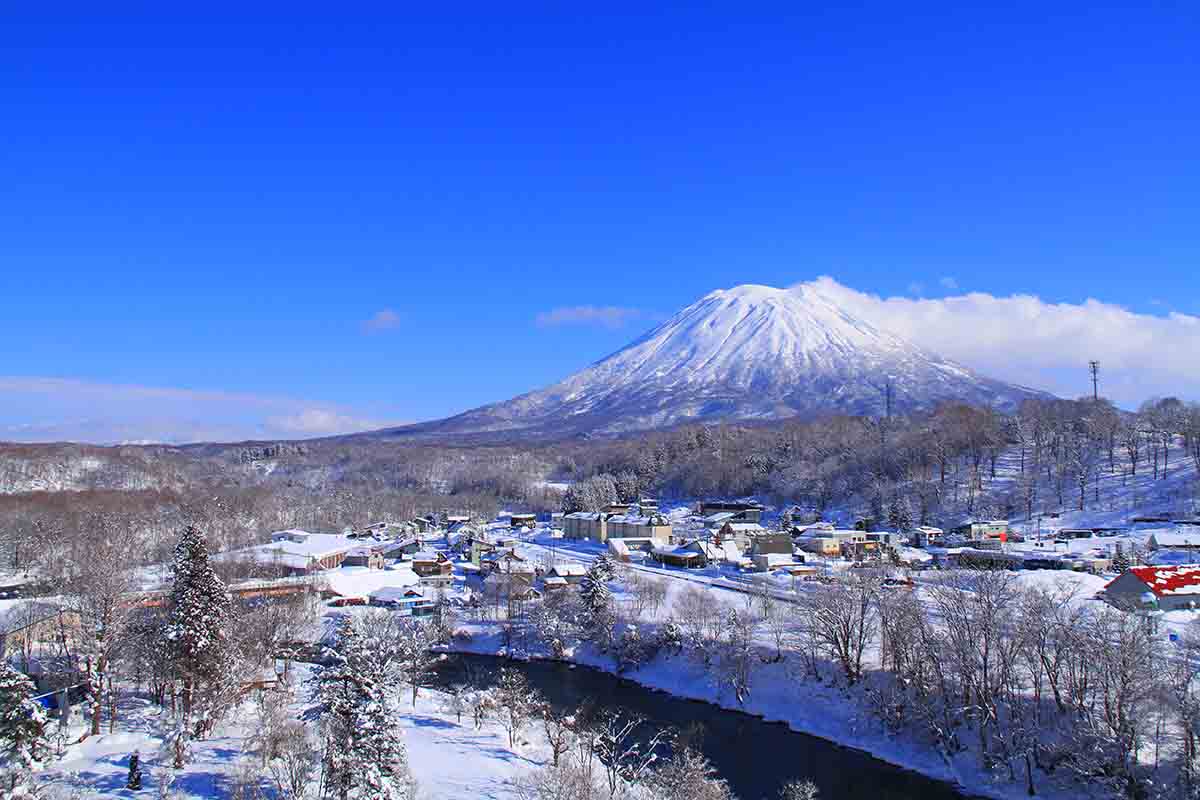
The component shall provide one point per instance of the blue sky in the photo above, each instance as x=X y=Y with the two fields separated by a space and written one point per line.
x=378 y=218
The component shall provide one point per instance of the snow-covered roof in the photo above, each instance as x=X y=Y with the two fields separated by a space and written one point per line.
x=1170 y=581
x=425 y=555
x=1183 y=537
x=554 y=580
x=569 y=568
x=310 y=545
x=585 y=515
x=361 y=581
x=720 y=516
x=396 y=594
x=745 y=527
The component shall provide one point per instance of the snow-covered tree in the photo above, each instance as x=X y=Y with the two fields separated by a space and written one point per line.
x=596 y=598
x=516 y=702
x=799 y=790
x=198 y=616
x=365 y=756
x=23 y=741
x=688 y=775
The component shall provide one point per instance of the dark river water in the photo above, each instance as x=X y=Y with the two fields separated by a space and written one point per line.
x=756 y=757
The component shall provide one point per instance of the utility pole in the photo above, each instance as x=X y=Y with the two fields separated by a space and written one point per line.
x=1094 y=368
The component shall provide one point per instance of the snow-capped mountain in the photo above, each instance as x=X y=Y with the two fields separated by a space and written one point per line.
x=751 y=352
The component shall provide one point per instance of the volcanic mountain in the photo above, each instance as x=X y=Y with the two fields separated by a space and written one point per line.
x=750 y=352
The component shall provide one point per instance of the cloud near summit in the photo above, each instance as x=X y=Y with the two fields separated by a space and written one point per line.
x=1023 y=339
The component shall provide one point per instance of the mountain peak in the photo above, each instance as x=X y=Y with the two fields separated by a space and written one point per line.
x=747 y=352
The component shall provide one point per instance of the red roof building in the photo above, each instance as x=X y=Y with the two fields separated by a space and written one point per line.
x=1168 y=588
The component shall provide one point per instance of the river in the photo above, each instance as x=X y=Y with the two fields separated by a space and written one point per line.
x=756 y=757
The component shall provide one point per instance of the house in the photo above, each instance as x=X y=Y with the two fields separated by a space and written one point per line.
x=401 y=547
x=523 y=520
x=635 y=526
x=509 y=586
x=692 y=555
x=886 y=540
x=370 y=557
x=832 y=543
x=715 y=520
x=928 y=536
x=408 y=601
x=355 y=584
x=551 y=582
x=771 y=543
x=740 y=532
x=1158 y=588
x=767 y=562
x=433 y=568
x=978 y=531
x=35 y=633
x=297 y=552
x=742 y=511
x=569 y=571
x=1184 y=538
x=505 y=562
x=625 y=550
x=590 y=525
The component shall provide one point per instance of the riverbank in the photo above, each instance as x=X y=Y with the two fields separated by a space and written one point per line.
x=821 y=710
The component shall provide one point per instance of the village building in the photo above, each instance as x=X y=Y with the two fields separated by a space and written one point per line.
x=1158 y=588
x=928 y=536
x=770 y=544
x=629 y=549
x=688 y=556
x=505 y=562
x=39 y=638
x=586 y=525
x=297 y=552
x=740 y=532
x=742 y=511
x=832 y=543
x=979 y=531
x=570 y=571
x=408 y=601
x=370 y=557
x=434 y=568
x=523 y=520
x=1182 y=538
x=635 y=526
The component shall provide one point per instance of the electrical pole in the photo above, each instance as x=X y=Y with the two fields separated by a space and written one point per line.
x=1094 y=368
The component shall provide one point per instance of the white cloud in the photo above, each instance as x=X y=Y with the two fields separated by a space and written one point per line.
x=1024 y=339
x=948 y=283
x=607 y=316
x=384 y=320
x=322 y=422
x=36 y=409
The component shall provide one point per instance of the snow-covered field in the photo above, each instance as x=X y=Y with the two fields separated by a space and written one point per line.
x=449 y=760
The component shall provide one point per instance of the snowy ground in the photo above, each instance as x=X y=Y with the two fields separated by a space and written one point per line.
x=449 y=760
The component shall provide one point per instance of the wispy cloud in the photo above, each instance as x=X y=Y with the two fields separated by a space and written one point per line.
x=384 y=320
x=606 y=316
x=36 y=409
x=1024 y=339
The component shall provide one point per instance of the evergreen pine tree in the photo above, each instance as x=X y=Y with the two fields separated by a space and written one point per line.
x=603 y=567
x=365 y=756
x=597 y=602
x=134 y=780
x=198 y=613
x=1120 y=562
x=23 y=739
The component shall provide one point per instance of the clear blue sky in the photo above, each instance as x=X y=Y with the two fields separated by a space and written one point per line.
x=220 y=201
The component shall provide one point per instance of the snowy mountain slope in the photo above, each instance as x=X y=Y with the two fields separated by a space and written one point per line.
x=751 y=352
